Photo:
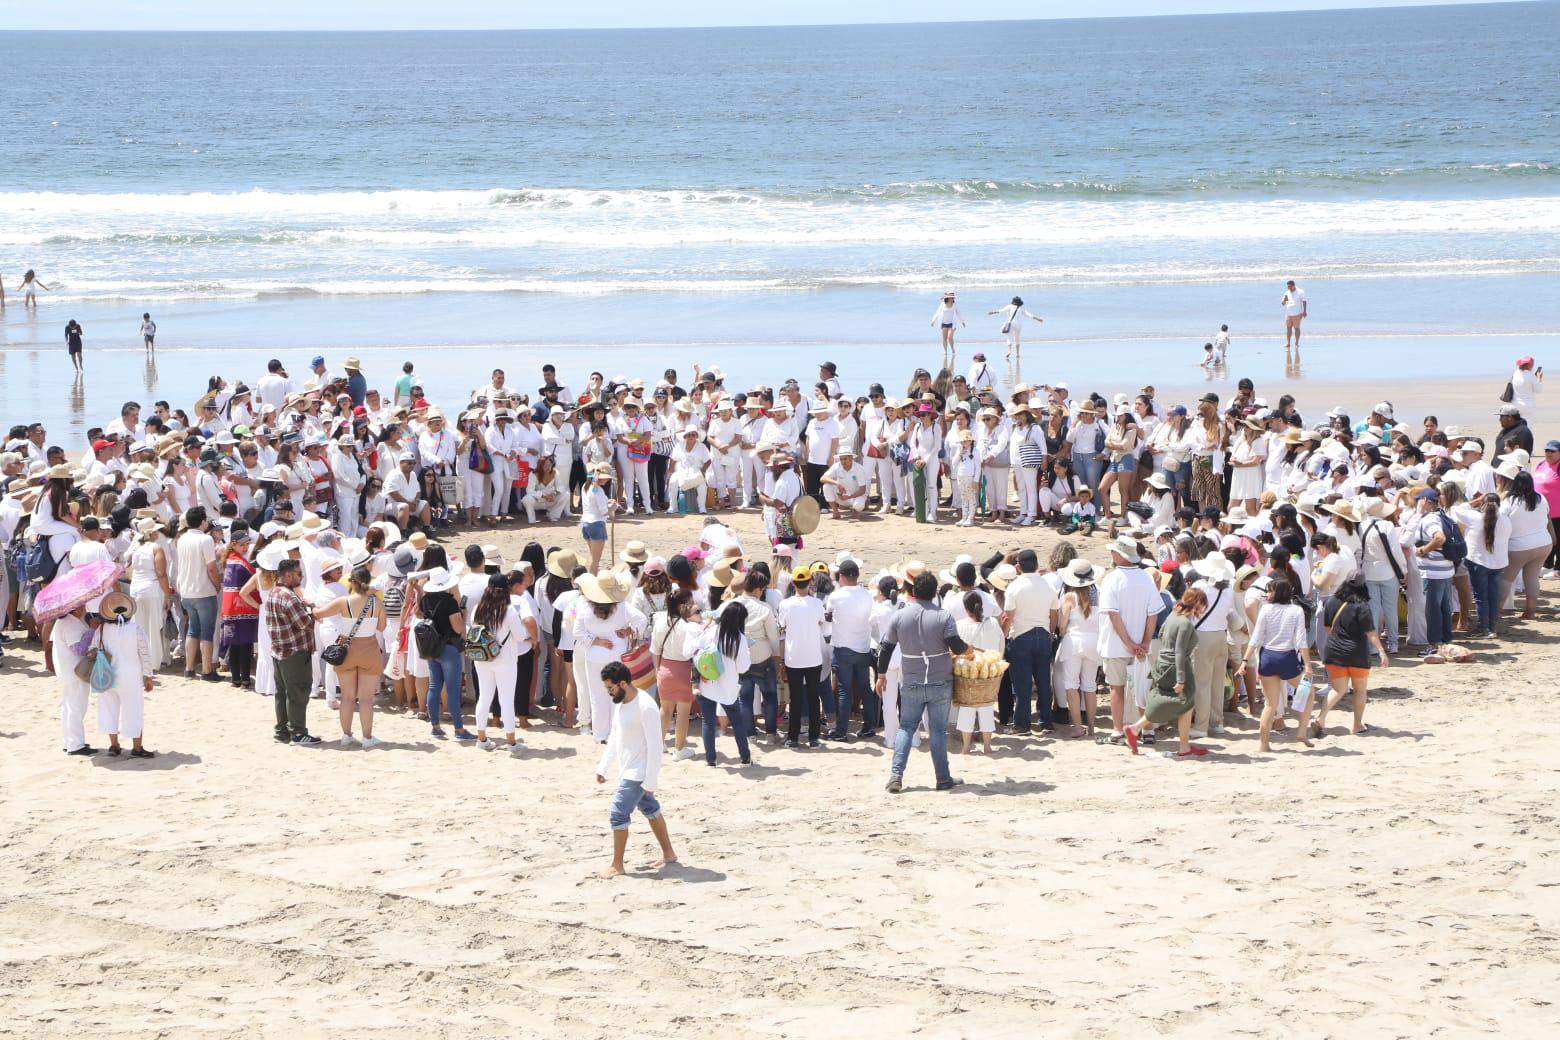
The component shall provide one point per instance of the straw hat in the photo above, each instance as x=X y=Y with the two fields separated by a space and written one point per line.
x=1345 y=510
x=612 y=587
x=723 y=574
x=907 y=570
x=1248 y=571
x=60 y=472
x=1079 y=574
x=117 y=605
x=948 y=575
x=1159 y=482
x=634 y=552
x=352 y=364
x=1305 y=505
x=417 y=540
x=1001 y=575
x=561 y=564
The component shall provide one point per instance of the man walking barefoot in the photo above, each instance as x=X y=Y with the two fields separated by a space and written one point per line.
x=1295 y=311
x=635 y=745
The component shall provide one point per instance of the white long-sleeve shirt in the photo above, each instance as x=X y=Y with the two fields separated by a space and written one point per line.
x=947 y=314
x=635 y=741
x=1280 y=626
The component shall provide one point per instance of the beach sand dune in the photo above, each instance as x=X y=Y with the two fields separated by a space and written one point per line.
x=1401 y=883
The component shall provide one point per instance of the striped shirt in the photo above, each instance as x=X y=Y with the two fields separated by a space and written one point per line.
x=1280 y=626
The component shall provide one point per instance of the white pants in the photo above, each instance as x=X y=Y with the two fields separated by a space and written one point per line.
x=1014 y=336
x=1028 y=481
x=931 y=470
x=635 y=473
x=497 y=678
x=723 y=471
x=976 y=720
x=347 y=511
x=996 y=488
x=1048 y=499
x=121 y=712
x=475 y=487
x=884 y=472
x=73 y=707
x=581 y=690
x=696 y=495
x=831 y=495
x=553 y=511
x=969 y=497
x=891 y=680
x=150 y=609
x=500 y=481
x=600 y=701
x=751 y=472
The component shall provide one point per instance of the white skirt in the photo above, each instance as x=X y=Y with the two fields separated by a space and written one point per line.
x=1246 y=482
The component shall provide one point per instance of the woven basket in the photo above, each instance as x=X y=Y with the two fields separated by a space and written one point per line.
x=976 y=693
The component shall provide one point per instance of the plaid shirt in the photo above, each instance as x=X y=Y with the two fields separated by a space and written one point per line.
x=289 y=623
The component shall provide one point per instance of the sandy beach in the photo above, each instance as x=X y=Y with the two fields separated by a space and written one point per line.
x=234 y=888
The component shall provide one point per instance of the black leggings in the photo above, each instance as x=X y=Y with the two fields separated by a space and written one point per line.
x=525 y=674
x=659 y=466
x=241 y=661
x=1553 y=560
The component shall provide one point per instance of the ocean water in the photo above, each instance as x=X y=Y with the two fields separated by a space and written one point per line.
x=703 y=193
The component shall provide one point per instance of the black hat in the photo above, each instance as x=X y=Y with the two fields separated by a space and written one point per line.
x=829 y=367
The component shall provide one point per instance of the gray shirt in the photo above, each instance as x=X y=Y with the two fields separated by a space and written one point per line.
x=927 y=637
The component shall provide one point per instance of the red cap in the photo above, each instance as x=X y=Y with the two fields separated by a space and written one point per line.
x=1169 y=566
x=1525 y=361
x=99 y=445
x=360 y=410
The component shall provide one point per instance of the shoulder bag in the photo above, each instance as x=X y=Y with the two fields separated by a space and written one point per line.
x=336 y=652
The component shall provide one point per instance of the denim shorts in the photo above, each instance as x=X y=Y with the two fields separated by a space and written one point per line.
x=595 y=531
x=1125 y=464
x=202 y=614
x=631 y=794
x=1283 y=663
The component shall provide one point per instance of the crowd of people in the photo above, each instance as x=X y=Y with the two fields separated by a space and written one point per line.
x=298 y=538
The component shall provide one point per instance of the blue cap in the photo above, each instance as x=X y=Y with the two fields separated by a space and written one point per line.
x=1430 y=494
x=1552 y=446
x=1179 y=409
x=319 y=359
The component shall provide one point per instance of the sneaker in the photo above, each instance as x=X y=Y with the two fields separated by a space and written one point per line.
x=333 y=704
x=1198 y=734
x=345 y=741
x=307 y=740
x=369 y=743
x=791 y=744
x=814 y=744
x=486 y=745
x=685 y=754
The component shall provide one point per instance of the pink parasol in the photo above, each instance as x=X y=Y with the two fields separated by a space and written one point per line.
x=79 y=587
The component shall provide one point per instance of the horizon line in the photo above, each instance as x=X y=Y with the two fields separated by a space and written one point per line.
x=1390 y=6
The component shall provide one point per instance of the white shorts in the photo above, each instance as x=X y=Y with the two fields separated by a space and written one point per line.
x=1080 y=672
x=976 y=720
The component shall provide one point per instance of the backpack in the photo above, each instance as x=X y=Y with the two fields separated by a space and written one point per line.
x=430 y=642
x=41 y=564
x=707 y=661
x=479 y=644
x=1455 y=549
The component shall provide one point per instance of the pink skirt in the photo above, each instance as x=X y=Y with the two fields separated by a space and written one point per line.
x=674 y=682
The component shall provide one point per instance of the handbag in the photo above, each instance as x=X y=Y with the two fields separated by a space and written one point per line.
x=873 y=451
x=1507 y=394
x=1030 y=456
x=336 y=653
x=88 y=658
x=480 y=460
x=641 y=668
x=1007 y=326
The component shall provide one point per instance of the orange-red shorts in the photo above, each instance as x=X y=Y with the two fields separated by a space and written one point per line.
x=1339 y=673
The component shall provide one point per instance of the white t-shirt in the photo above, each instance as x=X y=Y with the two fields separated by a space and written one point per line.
x=1129 y=593
x=195 y=550
x=850 y=610
x=1220 y=601
x=821 y=434
x=1294 y=302
x=801 y=627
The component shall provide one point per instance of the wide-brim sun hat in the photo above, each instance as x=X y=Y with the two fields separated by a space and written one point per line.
x=1001 y=575
x=440 y=580
x=561 y=564
x=1215 y=568
x=1079 y=574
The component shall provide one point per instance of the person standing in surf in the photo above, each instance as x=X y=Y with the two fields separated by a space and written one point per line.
x=30 y=287
x=148 y=331
x=1013 y=316
x=73 y=343
x=946 y=315
x=1295 y=311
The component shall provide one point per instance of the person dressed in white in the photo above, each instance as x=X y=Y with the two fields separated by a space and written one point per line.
x=725 y=448
x=632 y=435
x=845 y=483
x=926 y=441
x=945 y=317
x=548 y=491
x=1526 y=383
x=602 y=633
x=753 y=472
x=1013 y=316
x=560 y=439
x=1079 y=651
x=980 y=373
x=503 y=442
x=1295 y=311
x=121 y=707
x=70 y=638
x=501 y=623
x=689 y=462
x=151 y=585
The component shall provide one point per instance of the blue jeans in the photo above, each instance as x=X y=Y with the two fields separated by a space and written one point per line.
x=762 y=676
x=1029 y=665
x=202 y=612
x=1438 y=610
x=1089 y=470
x=934 y=699
x=631 y=794
x=1179 y=479
x=736 y=714
x=1384 y=608
x=444 y=672
x=853 y=677
x=1486 y=593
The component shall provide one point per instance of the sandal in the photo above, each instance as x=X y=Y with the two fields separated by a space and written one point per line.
x=1192 y=752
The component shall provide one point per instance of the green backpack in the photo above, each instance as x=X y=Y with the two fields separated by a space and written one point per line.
x=479 y=644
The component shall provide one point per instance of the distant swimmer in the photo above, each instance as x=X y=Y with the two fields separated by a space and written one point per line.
x=30 y=287
x=947 y=313
x=148 y=331
x=1013 y=316
x=1294 y=313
